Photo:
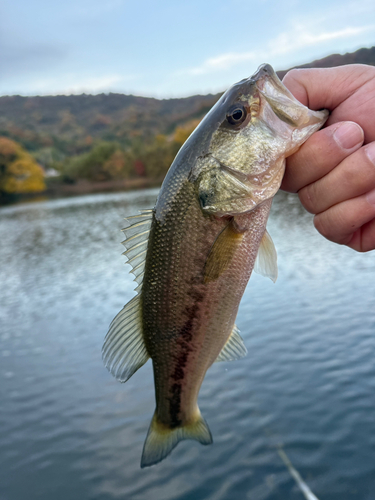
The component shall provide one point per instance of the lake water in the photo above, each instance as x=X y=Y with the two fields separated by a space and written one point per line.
x=68 y=430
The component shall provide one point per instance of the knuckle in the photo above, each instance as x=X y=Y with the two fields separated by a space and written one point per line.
x=350 y=177
x=320 y=223
x=358 y=173
x=329 y=229
x=337 y=224
x=307 y=197
x=293 y=80
x=295 y=75
x=291 y=76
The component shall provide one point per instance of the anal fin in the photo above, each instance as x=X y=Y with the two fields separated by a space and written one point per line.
x=234 y=347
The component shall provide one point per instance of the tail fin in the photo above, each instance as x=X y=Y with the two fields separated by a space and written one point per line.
x=161 y=440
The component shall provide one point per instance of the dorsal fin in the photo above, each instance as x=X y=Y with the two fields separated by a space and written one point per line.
x=124 y=350
x=234 y=347
x=136 y=243
x=266 y=261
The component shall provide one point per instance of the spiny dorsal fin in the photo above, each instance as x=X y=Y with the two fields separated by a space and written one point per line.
x=124 y=350
x=222 y=252
x=136 y=243
x=234 y=347
x=266 y=261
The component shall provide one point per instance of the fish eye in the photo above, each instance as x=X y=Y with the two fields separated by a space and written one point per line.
x=236 y=114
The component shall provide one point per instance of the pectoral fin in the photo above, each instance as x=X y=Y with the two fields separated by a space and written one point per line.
x=222 y=252
x=266 y=261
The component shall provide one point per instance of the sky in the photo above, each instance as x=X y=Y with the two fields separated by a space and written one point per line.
x=167 y=48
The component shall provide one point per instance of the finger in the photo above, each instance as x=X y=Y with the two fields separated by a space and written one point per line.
x=342 y=221
x=363 y=240
x=320 y=154
x=354 y=176
x=320 y=88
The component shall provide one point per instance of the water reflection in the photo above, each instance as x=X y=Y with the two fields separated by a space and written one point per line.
x=71 y=431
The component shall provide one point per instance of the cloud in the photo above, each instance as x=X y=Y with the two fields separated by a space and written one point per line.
x=287 y=42
x=224 y=61
x=75 y=84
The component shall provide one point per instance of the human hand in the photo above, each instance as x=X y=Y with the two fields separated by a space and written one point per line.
x=334 y=171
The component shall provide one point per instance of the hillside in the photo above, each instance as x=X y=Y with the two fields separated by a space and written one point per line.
x=71 y=123
x=360 y=56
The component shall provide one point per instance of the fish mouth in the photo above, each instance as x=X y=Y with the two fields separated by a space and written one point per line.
x=265 y=71
x=286 y=107
x=268 y=83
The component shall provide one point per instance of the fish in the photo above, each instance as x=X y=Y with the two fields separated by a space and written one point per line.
x=192 y=254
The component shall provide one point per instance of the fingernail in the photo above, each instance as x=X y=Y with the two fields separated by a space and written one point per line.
x=370 y=151
x=348 y=135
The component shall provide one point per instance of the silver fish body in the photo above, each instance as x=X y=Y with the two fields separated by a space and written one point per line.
x=194 y=253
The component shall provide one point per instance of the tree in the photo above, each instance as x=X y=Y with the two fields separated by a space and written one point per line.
x=19 y=172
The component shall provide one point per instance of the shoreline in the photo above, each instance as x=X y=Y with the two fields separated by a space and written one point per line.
x=80 y=188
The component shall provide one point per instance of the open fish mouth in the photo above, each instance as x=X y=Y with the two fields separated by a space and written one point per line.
x=282 y=101
x=262 y=73
x=268 y=83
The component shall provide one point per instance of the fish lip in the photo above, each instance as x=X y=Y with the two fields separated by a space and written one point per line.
x=264 y=71
x=266 y=74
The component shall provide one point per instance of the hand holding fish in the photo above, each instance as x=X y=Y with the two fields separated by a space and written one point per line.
x=334 y=171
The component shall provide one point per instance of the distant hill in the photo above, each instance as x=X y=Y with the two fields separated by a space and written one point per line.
x=70 y=124
x=361 y=56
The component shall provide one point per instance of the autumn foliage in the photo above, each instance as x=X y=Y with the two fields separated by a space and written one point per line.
x=19 y=172
x=143 y=157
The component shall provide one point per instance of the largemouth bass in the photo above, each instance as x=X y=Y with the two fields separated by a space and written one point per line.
x=193 y=254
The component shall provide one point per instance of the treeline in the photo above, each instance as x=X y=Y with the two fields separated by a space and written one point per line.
x=109 y=160
x=100 y=138
x=20 y=171
x=55 y=128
